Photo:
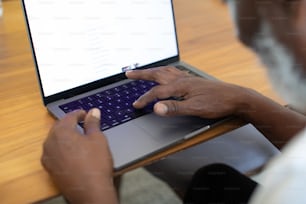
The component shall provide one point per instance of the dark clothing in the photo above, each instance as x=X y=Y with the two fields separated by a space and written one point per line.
x=219 y=184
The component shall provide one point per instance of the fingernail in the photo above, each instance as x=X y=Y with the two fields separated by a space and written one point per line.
x=95 y=112
x=127 y=72
x=135 y=103
x=161 y=109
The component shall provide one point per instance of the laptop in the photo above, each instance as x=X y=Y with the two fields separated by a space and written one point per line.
x=81 y=50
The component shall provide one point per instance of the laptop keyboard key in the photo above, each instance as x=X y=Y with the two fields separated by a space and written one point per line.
x=116 y=103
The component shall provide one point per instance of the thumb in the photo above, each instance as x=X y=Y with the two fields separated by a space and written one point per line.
x=92 y=121
x=169 y=108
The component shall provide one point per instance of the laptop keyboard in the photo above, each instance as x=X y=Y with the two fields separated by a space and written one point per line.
x=115 y=104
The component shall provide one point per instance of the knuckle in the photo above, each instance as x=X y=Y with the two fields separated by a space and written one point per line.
x=158 y=74
x=173 y=107
x=169 y=68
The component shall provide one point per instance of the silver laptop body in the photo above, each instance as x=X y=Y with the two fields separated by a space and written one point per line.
x=84 y=47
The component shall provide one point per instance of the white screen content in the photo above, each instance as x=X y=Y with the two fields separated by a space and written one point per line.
x=80 y=41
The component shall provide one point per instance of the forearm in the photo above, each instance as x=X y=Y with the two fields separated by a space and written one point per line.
x=278 y=123
x=93 y=193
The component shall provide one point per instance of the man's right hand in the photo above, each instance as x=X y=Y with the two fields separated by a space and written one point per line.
x=200 y=97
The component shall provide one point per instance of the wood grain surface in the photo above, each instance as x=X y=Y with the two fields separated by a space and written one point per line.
x=206 y=38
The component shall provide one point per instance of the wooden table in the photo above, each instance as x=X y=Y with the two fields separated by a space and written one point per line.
x=206 y=41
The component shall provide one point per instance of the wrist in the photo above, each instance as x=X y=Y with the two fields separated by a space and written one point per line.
x=94 y=191
x=247 y=103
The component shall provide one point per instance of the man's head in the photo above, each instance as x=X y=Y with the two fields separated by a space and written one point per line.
x=276 y=31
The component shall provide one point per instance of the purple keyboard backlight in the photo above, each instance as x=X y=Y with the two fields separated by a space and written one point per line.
x=115 y=104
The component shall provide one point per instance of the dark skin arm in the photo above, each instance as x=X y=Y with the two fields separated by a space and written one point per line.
x=214 y=99
x=277 y=123
x=80 y=164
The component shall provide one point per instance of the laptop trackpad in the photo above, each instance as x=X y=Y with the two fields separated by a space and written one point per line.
x=128 y=144
x=169 y=129
x=143 y=136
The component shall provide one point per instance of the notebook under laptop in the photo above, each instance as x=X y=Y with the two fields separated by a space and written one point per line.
x=81 y=51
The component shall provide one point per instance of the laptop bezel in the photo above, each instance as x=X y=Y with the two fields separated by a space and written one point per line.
x=98 y=83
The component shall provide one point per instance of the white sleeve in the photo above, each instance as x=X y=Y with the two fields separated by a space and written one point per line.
x=285 y=178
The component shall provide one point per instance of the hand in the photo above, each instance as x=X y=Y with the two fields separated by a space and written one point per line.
x=80 y=164
x=201 y=97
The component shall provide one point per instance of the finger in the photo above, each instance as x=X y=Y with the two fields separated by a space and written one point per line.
x=161 y=75
x=146 y=74
x=72 y=118
x=172 y=108
x=158 y=92
x=92 y=122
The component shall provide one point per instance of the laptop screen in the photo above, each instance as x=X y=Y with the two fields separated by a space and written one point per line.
x=77 y=42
